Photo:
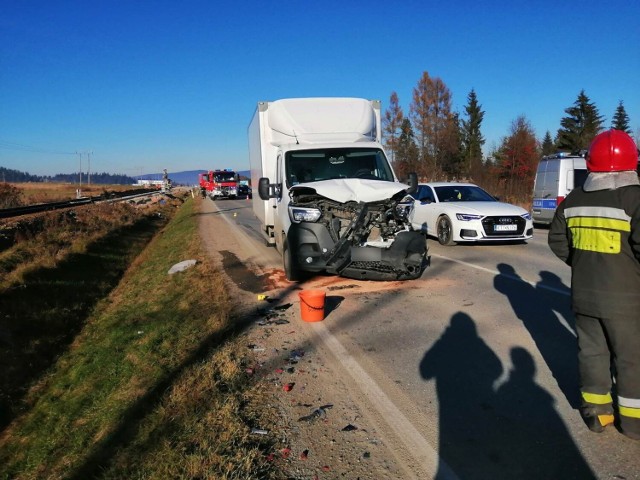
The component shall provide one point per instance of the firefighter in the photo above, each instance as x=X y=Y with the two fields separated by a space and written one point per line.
x=596 y=231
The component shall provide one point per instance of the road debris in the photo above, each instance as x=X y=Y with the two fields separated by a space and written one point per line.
x=317 y=413
x=181 y=266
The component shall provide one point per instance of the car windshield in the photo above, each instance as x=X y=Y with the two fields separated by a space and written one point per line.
x=462 y=193
x=303 y=166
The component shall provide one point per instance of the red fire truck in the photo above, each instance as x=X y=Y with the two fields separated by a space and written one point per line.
x=219 y=183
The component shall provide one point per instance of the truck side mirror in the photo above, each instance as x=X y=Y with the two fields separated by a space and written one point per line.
x=264 y=189
x=413 y=183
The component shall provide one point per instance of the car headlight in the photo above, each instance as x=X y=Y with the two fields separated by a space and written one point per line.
x=526 y=216
x=466 y=217
x=301 y=214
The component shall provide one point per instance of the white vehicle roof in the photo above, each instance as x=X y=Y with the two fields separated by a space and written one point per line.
x=449 y=184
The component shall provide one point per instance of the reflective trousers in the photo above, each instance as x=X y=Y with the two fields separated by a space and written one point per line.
x=610 y=348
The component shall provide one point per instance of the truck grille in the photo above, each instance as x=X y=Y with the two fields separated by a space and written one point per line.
x=504 y=226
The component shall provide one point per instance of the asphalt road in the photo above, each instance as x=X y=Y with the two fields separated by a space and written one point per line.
x=472 y=367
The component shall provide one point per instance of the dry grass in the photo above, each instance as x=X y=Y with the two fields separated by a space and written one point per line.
x=38 y=192
x=152 y=385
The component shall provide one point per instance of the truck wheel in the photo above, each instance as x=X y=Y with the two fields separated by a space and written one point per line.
x=291 y=270
x=445 y=231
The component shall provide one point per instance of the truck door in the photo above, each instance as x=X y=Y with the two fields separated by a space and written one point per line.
x=279 y=223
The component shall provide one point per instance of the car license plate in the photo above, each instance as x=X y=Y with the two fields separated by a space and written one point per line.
x=504 y=228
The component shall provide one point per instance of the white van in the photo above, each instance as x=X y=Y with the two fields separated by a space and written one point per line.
x=556 y=176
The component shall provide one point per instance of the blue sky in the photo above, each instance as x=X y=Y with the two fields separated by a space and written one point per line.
x=166 y=84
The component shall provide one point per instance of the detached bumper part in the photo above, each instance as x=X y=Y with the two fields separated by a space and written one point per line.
x=405 y=259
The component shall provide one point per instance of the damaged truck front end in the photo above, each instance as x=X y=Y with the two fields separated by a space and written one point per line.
x=355 y=239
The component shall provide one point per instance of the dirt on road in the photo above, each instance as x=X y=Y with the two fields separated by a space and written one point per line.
x=326 y=426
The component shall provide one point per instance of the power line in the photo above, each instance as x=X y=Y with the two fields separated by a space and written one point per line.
x=28 y=148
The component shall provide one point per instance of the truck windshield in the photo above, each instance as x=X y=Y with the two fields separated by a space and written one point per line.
x=225 y=177
x=302 y=166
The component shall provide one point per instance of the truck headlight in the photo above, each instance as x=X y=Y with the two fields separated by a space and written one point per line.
x=301 y=214
x=404 y=210
x=466 y=217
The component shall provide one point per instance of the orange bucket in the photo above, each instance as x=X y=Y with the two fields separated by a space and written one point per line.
x=312 y=305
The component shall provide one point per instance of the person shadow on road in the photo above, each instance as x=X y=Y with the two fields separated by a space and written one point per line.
x=494 y=433
x=554 y=337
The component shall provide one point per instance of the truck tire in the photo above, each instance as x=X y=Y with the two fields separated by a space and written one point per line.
x=445 y=231
x=291 y=269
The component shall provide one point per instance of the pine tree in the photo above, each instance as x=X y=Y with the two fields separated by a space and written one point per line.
x=548 y=147
x=581 y=126
x=621 y=119
x=453 y=164
x=471 y=137
x=407 y=151
x=391 y=124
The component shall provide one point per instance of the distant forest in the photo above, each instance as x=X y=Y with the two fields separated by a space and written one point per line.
x=8 y=175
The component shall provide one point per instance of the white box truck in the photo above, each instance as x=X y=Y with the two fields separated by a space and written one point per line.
x=328 y=198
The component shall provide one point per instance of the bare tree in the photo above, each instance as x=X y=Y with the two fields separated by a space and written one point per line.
x=434 y=124
x=391 y=123
x=517 y=160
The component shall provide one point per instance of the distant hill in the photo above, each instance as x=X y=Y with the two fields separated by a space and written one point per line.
x=189 y=177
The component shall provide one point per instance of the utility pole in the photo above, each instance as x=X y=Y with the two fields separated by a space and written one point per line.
x=80 y=170
x=89 y=168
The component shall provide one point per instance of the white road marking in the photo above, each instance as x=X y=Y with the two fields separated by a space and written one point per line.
x=416 y=445
x=561 y=319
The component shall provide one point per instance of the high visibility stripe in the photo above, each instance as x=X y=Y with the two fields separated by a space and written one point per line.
x=597 y=229
x=594 y=240
x=629 y=412
x=597 y=398
x=594 y=222
x=606 y=212
x=629 y=402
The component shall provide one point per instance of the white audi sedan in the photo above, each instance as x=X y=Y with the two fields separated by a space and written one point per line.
x=464 y=212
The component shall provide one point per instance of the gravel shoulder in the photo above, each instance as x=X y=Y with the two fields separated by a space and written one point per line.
x=326 y=425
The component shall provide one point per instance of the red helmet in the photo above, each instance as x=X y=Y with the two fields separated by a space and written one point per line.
x=612 y=151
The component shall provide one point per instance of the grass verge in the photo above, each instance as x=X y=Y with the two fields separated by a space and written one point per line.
x=153 y=385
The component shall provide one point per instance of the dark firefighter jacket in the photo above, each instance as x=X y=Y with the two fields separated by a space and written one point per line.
x=597 y=233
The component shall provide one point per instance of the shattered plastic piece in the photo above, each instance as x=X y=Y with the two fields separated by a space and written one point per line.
x=259 y=431
x=366 y=455
x=304 y=455
x=279 y=370
x=283 y=307
x=255 y=348
x=342 y=287
x=349 y=428
x=249 y=371
x=179 y=267
x=262 y=297
x=281 y=321
x=285 y=452
x=291 y=370
x=287 y=387
x=326 y=468
x=317 y=413
x=296 y=355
